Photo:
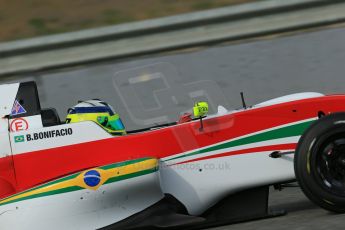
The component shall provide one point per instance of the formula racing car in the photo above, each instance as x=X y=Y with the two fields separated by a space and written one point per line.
x=191 y=174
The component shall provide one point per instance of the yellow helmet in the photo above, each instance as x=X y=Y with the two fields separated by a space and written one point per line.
x=97 y=111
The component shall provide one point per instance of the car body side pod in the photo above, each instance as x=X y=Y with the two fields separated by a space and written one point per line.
x=88 y=200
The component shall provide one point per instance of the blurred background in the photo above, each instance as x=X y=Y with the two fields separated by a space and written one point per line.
x=152 y=59
x=30 y=18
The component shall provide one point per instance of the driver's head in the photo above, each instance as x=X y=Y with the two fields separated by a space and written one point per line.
x=97 y=111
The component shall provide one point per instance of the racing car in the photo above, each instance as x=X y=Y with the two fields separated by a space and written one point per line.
x=191 y=174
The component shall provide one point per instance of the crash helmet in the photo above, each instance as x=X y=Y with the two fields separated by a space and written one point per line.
x=99 y=112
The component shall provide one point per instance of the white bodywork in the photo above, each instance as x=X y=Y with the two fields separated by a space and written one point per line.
x=199 y=185
x=288 y=98
x=5 y=147
x=221 y=110
x=81 y=134
x=7 y=96
x=84 y=209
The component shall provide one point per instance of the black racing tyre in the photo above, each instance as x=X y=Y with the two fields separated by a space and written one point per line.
x=320 y=162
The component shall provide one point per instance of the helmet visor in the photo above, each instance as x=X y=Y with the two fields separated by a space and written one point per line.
x=116 y=124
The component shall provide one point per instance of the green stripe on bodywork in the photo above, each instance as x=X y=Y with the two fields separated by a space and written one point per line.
x=289 y=131
x=128 y=176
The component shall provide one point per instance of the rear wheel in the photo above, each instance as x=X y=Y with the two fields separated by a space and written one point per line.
x=320 y=162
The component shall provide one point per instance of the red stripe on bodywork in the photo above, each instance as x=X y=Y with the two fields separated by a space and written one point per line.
x=7 y=177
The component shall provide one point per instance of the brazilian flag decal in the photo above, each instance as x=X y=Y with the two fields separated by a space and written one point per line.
x=18 y=139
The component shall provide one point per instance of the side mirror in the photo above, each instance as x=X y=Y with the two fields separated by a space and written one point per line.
x=200 y=109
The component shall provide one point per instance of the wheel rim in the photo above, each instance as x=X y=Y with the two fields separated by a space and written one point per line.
x=330 y=164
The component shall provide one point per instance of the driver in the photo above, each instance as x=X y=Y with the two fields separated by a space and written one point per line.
x=97 y=111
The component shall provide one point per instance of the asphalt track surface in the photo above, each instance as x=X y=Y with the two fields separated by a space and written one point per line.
x=156 y=89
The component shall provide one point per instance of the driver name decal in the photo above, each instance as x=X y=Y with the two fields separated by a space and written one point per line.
x=49 y=134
